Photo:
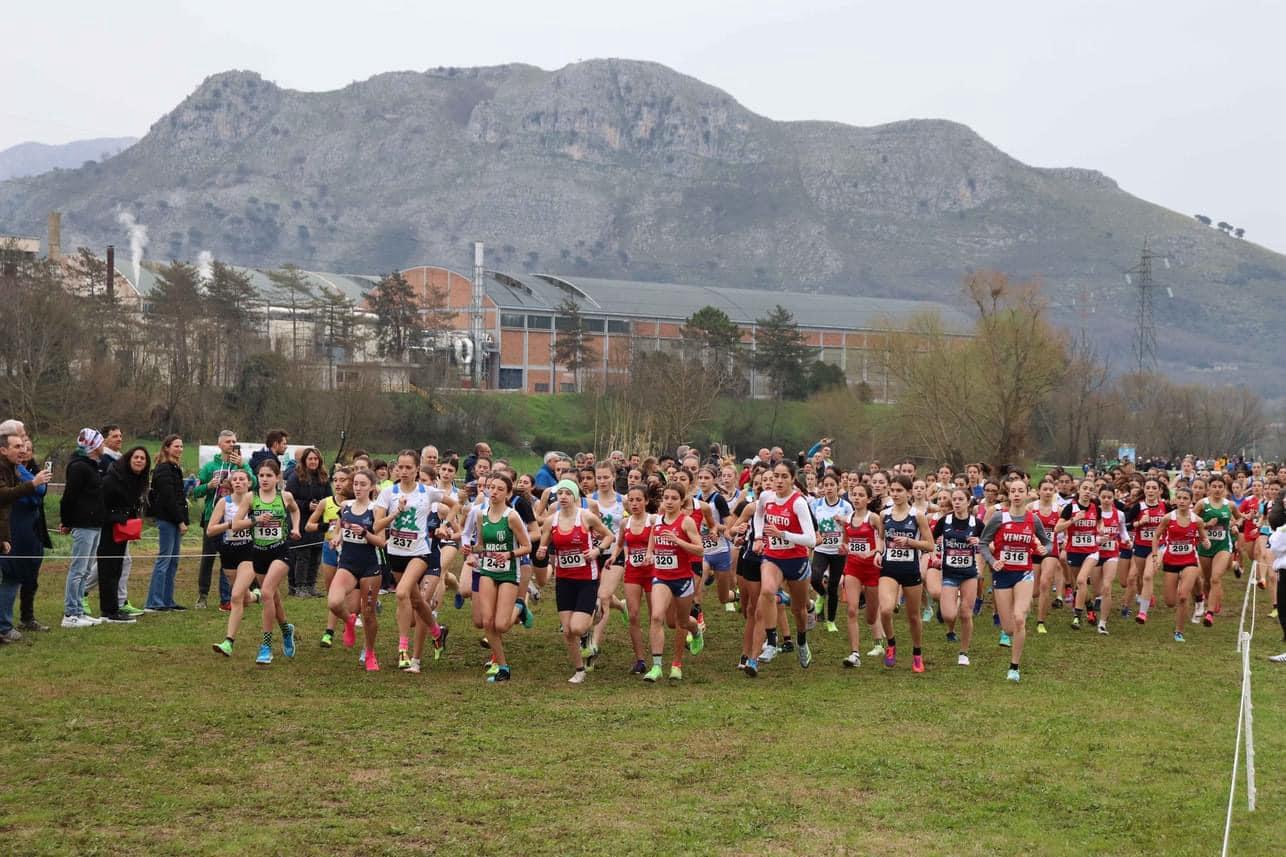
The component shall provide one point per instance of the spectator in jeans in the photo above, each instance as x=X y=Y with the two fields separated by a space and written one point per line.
x=13 y=489
x=212 y=485
x=113 y=439
x=82 y=514
x=124 y=489
x=168 y=504
x=28 y=519
x=310 y=486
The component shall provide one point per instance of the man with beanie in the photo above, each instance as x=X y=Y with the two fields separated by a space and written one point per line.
x=82 y=513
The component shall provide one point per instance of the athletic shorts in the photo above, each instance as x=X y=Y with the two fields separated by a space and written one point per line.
x=579 y=596
x=794 y=568
x=1142 y=551
x=751 y=568
x=1010 y=579
x=231 y=557
x=330 y=556
x=372 y=570
x=904 y=576
x=721 y=561
x=1171 y=568
x=867 y=575
x=397 y=564
x=957 y=580
x=263 y=559
x=498 y=577
x=1076 y=560
x=679 y=588
x=536 y=561
x=639 y=577
x=1127 y=554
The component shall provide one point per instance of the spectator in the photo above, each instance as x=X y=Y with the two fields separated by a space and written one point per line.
x=212 y=486
x=82 y=514
x=32 y=507
x=274 y=446
x=124 y=489
x=480 y=450
x=13 y=489
x=112 y=441
x=429 y=457
x=168 y=504
x=545 y=475
x=310 y=486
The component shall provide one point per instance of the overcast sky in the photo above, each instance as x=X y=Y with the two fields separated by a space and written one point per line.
x=1182 y=102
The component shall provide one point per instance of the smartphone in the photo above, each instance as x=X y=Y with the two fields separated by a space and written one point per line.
x=49 y=467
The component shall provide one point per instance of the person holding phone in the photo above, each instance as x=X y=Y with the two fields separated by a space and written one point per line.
x=212 y=486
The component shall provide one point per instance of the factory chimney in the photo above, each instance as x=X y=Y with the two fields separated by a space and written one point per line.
x=111 y=272
x=55 y=248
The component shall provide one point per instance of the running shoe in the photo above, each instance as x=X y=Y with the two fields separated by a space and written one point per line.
x=977 y=606
x=853 y=661
x=787 y=646
x=130 y=610
x=503 y=674
x=1278 y=659
x=578 y=677
x=1208 y=619
x=1057 y=603
x=1012 y=675
x=201 y=603
x=1141 y=617
x=952 y=637
x=805 y=656
x=701 y=622
x=265 y=655
x=783 y=597
x=372 y=662
x=995 y=620
x=676 y=672
x=1091 y=615
x=484 y=644
x=224 y=648
x=767 y=653
x=861 y=601
x=741 y=662
x=440 y=642
x=1178 y=636
x=119 y=619
x=403 y=659
x=1197 y=611
x=917 y=663
x=639 y=668
x=361 y=657
x=33 y=625
x=492 y=668
x=625 y=616
x=730 y=608
x=459 y=601
x=926 y=615
x=831 y=628
x=1040 y=628
x=752 y=668
x=1102 y=628
x=84 y=606
x=350 y=631
x=1076 y=623
x=288 y=640
x=697 y=644
x=256 y=595
x=963 y=660
x=528 y=618
x=1004 y=640
x=819 y=604
x=1125 y=612
x=890 y=656
x=810 y=621
x=414 y=666
x=877 y=651
x=1273 y=614
x=328 y=638
x=653 y=675
x=225 y=606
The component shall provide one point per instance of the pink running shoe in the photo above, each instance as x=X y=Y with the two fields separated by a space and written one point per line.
x=350 y=631
x=372 y=665
x=1141 y=617
x=917 y=664
x=890 y=656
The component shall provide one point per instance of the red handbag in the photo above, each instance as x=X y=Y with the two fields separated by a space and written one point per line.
x=130 y=531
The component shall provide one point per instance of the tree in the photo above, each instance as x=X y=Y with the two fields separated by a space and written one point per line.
x=334 y=332
x=40 y=346
x=572 y=348
x=176 y=306
x=1239 y=232
x=1202 y=219
x=295 y=293
x=398 y=324
x=822 y=376
x=712 y=335
x=1223 y=226
x=672 y=394
x=230 y=299
x=780 y=353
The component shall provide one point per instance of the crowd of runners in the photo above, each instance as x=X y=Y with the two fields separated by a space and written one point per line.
x=789 y=546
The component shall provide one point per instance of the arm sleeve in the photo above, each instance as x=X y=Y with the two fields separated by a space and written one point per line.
x=1066 y=514
x=938 y=526
x=721 y=506
x=807 y=538
x=989 y=533
x=1039 y=529
x=813 y=450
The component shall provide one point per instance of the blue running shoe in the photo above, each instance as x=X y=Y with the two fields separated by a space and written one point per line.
x=265 y=655
x=288 y=641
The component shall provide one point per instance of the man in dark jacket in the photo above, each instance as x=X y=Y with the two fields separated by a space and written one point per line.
x=12 y=489
x=82 y=514
x=274 y=446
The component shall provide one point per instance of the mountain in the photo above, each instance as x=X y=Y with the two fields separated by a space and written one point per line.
x=632 y=170
x=32 y=159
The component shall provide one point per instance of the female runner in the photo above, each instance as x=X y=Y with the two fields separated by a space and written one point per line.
x=610 y=507
x=1112 y=540
x=782 y=516
x=1220 y=515
x=235 y=558
x=832 y=514
x=1080 y=520
x=1048 y=513
x=326 y=517
x=630 y=552
x=1009 y=543
x=862 y=543
x=265 y=512
x=566 y=537
x=906 y=535
x=715 y=547
x=959 y=534
x=502 y=540
x=1179 y=533
x=674 y=541
x=359 y=565
x=1148 y=517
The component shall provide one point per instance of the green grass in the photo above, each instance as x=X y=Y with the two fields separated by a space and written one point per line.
x=138 y=739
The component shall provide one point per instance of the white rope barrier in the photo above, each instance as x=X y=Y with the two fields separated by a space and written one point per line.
x=1245 y=715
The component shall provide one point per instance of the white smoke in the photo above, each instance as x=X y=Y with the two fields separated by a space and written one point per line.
x=205 y=267
x=137 y=243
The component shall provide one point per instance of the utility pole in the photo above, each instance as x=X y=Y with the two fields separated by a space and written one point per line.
x=1145 y=335
x=475 y=317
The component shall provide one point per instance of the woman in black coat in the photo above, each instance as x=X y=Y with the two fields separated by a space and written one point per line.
x=124 y=488
x=309 y=485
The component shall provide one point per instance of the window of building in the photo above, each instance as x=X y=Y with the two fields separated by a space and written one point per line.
x=568 y=387
x=508 y=319
x=542 y=388
x=615 y=325
x=539 y=322
x=510 y=379
x=593 y=325
x=562 y=323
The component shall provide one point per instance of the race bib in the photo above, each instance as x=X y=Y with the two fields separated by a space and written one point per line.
x=402 y=540
x=1082 y=540
x=959 y=560
x=354 y=536
x=1107 y=544
x=239 y=537
x=858 y=546
x=709 y=543
x=571 y=560
x=1180 y=548
x=494 y=564
x=268 y=532
x=1013 y=557
x=1216 y=534
x=899 y=555
x=665 y=561
x=1147 y=534
x=778 y=544
x=829 y=540
x=636 y=557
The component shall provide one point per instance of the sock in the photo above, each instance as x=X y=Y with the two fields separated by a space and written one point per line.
x=1078 y=612
x=580 y=669
x=284 y=627
x=785 y=638
x=522 y=606
x=229 y=640
x=1013 y=666
x=772 y=637
x=915 y=650
x=891 y=643
x=267 y=638
x=696 y=609
x=803 y=638
x=744 y=659
x=402 y=644
x=504 y=668
x=656 y=659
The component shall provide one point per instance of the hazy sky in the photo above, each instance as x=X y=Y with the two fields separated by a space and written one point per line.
x=1182 y=102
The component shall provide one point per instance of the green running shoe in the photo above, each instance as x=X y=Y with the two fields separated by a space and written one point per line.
x=696 y=644
x=676 y=672
x=224 y=648
x=653 y=675
x=328 y=638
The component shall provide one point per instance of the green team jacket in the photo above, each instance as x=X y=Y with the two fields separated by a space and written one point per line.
x=204 y=492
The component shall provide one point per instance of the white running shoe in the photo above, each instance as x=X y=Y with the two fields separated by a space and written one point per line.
x=1102 y=628
x=876 y=652
x=767 y=653
x=1197 y=612
x=1279 y=659
x=578 y=677
x=77 y=622
x=853 y=660
x=91 y=620
x=963 y=660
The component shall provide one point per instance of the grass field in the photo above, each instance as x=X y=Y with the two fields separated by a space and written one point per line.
x=137 y=739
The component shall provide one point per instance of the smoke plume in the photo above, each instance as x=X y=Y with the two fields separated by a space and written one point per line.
x=205 y=267
x=137 y=243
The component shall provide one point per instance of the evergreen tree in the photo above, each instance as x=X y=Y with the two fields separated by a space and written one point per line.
x=780 y=353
